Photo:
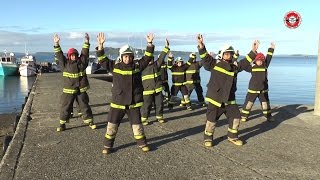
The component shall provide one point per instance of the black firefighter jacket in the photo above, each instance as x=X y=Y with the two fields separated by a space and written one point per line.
x=74 y=72
x=127 y=83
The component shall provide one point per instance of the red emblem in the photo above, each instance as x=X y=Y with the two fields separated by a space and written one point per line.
x=292 y=19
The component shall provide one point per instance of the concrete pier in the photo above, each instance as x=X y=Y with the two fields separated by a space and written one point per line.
x=285 y=149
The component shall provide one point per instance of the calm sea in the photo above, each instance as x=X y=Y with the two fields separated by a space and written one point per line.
x=291 y=81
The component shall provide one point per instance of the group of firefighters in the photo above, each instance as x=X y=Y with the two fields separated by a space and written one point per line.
x=138 y=86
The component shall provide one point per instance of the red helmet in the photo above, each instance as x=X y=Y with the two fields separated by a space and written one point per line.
x=72 y=51
x=260 y=56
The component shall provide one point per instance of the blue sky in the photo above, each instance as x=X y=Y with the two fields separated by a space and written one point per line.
x=237 y=23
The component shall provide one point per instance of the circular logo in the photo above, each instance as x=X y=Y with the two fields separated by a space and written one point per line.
x=292 y=19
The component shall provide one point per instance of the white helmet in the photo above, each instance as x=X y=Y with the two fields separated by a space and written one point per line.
x=179 y=59
x=225 y=48
x=126 y=49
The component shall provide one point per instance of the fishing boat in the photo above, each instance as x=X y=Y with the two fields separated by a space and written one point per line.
x=8 y=65
x=28 y=66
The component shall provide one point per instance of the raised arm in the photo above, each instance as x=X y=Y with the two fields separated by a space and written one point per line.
x=207 y=61
x=170 y=60
x=84 y=57
x=58 y=54
x=270 y=53
x=192 y=56
x=163 y=54
x=102 y=58
x=148 y=54
x=245 y=63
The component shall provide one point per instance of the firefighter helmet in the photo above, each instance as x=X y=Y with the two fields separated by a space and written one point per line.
x=179 y=59
x=126 y=49
x=225 y=48
x=260 y=56
x=72 y=51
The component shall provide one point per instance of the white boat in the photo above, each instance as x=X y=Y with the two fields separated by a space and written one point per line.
x=93 y=65
x=8 y=65
x=28 y=66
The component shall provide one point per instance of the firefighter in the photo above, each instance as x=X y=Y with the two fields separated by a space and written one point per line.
x=221 y=89
x=152 y=88
x=127 y=91
x=164 y=78
x=75 y=82
x=258 y=85
x=193 y=80
x=178 y=79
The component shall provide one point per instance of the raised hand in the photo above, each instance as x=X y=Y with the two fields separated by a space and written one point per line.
x=149 y=38
x=273 y=45
x=101 y=39
x=167 y=42
x=86 y=37
x=255 y=45
x=200 y=40
x=56 y=39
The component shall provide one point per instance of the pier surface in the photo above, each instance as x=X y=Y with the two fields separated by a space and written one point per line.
x=285 y=149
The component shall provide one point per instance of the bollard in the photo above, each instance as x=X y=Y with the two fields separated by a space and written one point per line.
x=25 y=99
x=6 y=141
x=22 y=106
x=317 y=92
x=15 y=123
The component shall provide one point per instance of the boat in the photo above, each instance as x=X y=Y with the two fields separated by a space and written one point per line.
x=28 y=66
x=93 y=65
x=8 y=65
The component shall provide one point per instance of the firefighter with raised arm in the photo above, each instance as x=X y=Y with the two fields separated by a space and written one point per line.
x=152 y=88
x=221 y=89
x=178 y=80
x=75 y=82
x=127 y=91
x=258 y=85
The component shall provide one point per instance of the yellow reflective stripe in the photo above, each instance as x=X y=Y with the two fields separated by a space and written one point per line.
x=193 y=56
x=188 y=82
x=177 y=84
x=166 y=49
x=213 y=102
x=101 y=57
x=245 y=111
x=230 y=102
x=73 y=75
x=169 y=67
x=234 y=131
x=203 y=55
x=148 y=53
x=163 y=66
x=86 y=46
x=188 y=63
x=270 y=53
x=136 y=105
x=158 y=89
x=266 y=112
x=57 y=49
x=264 y=91
x=70 y=91
x=169 y=59
x=177 y=73
x=151 y=76
x=223 y=71
x=208 y=133
x=191 y=71
x=122 y=72
x=253 y=92
x=137 y=137
x=235 y=56
x=109 y=136
x=159 y=117
x=84 y=89
x=149 y=92
x=117 y=106
x=62 y=121
x=258 y=69
x=248 y=58
x=87 y=121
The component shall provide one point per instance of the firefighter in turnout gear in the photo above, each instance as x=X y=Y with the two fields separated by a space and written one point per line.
x=164 y=78
x=152 y=88
x=127 y=91
x=178 y=79
x=193 y=80
x=258 y=85
x=75 y=82
x=221 y=89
